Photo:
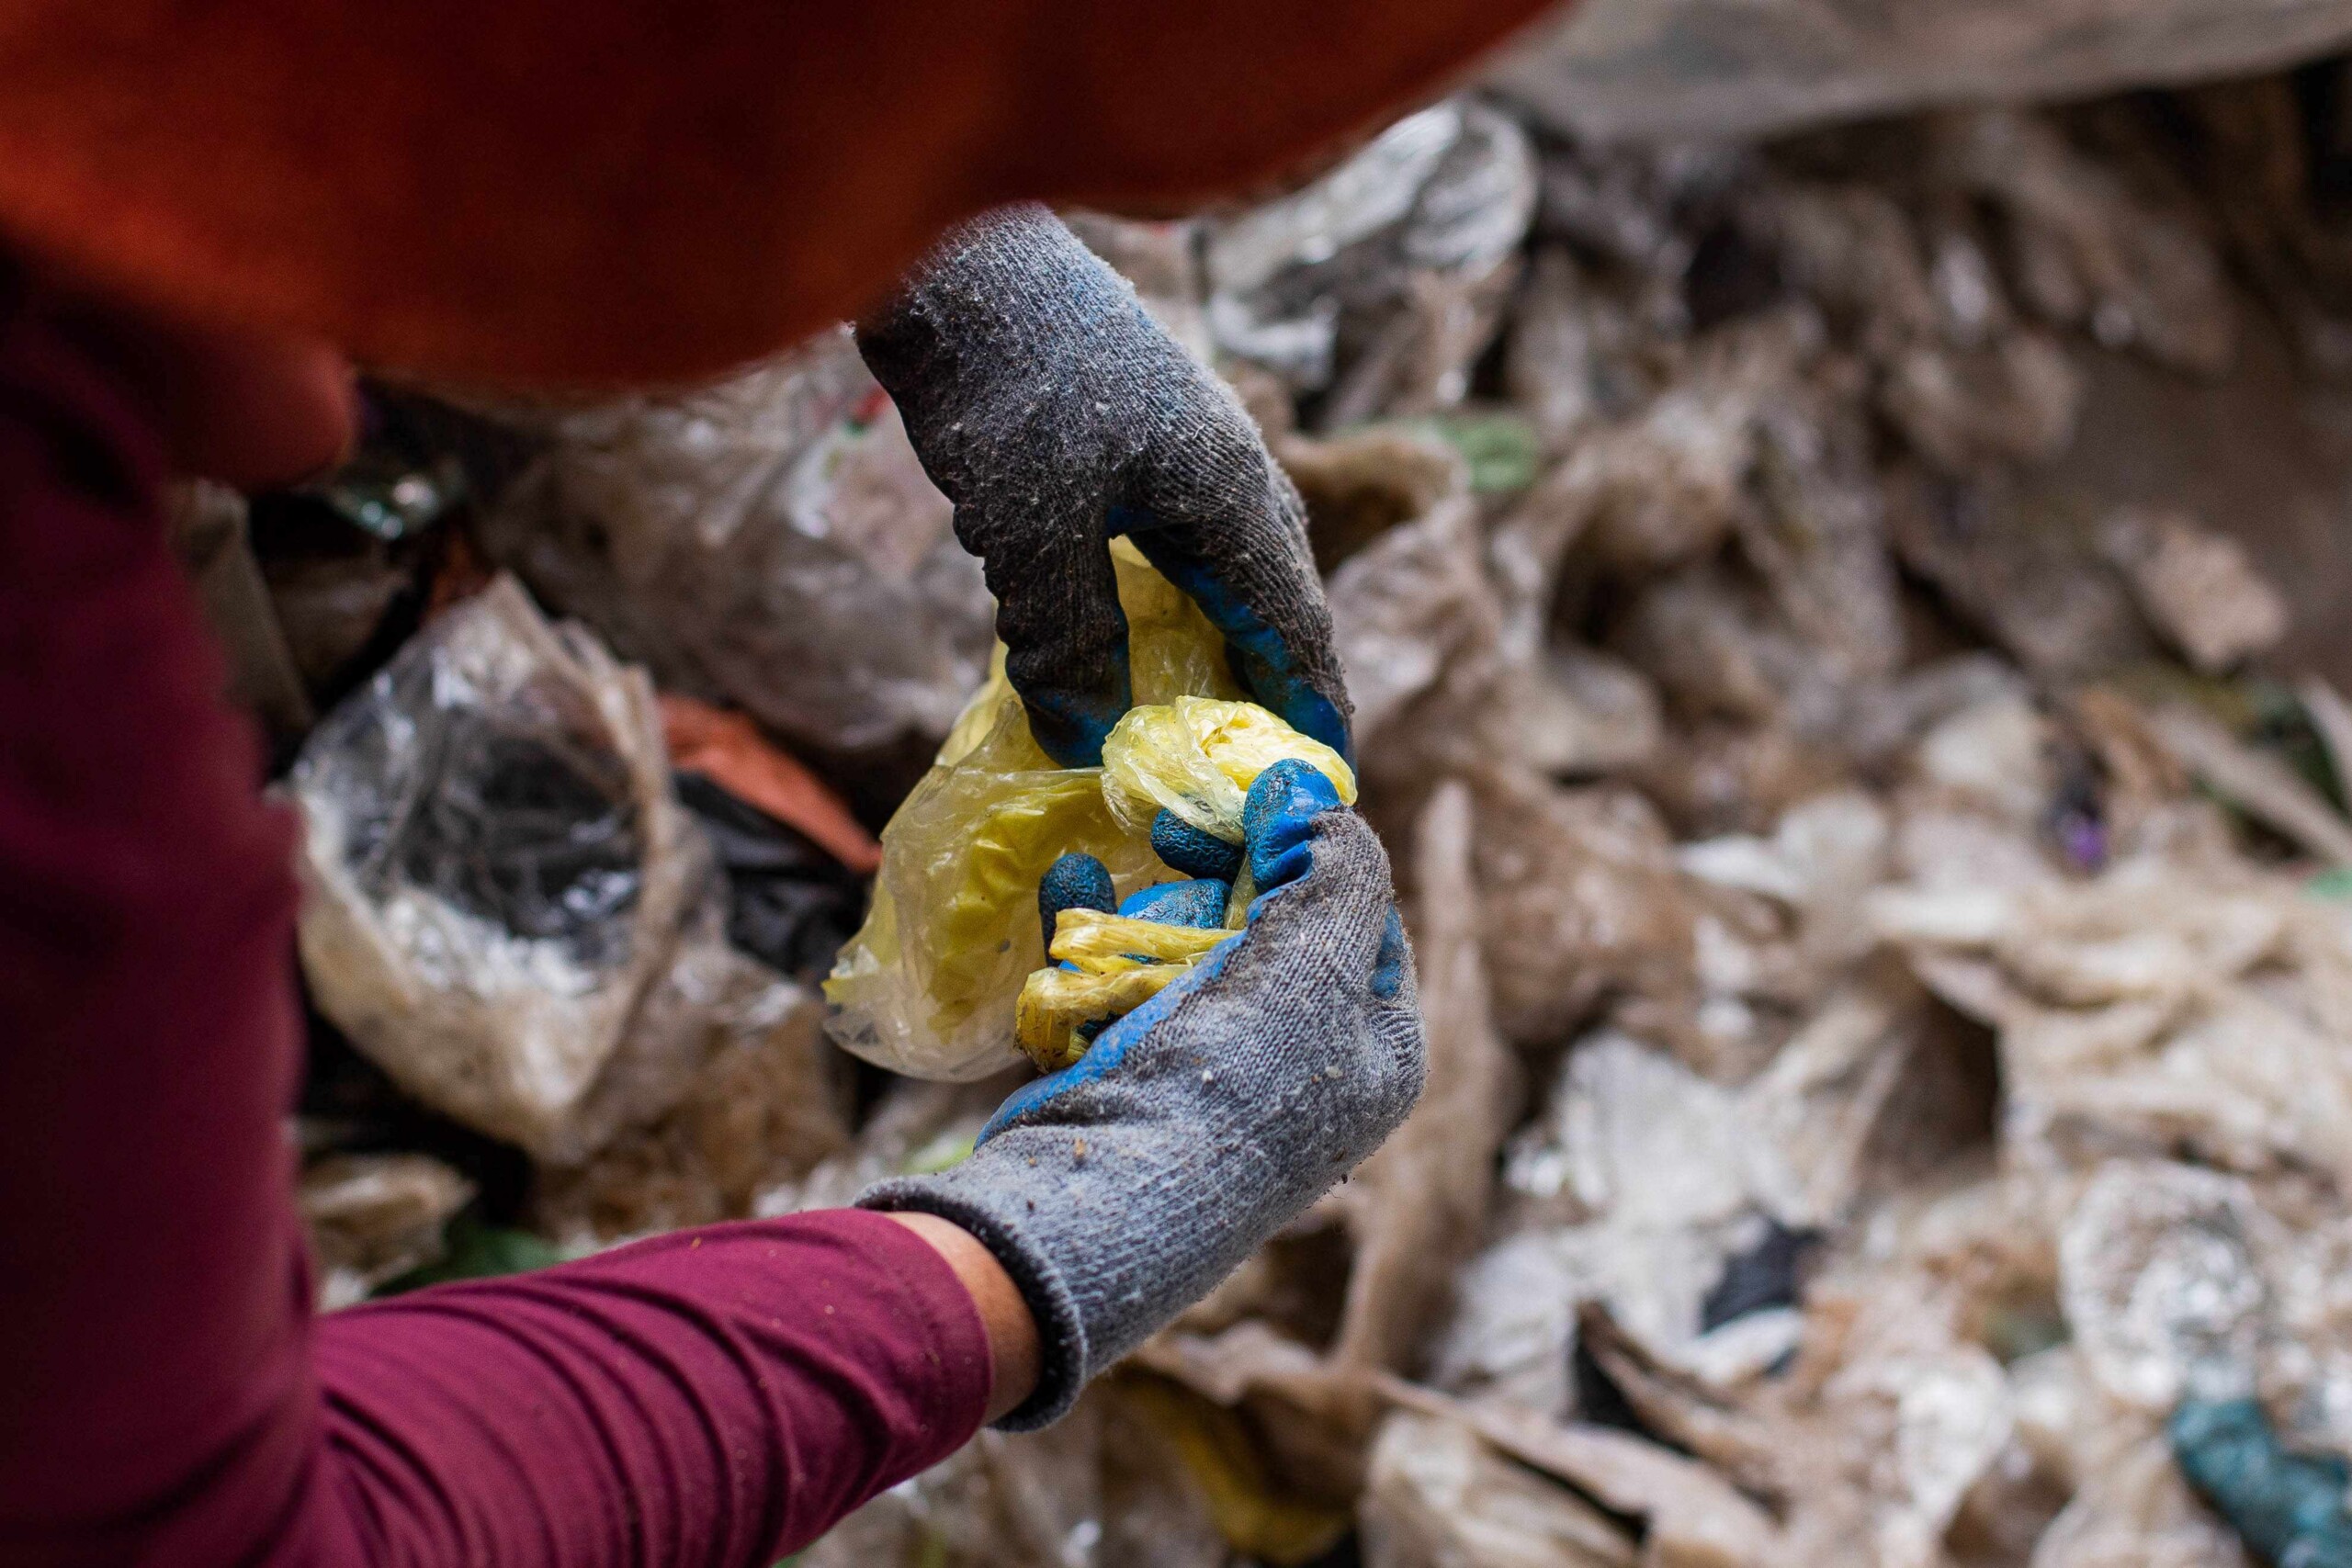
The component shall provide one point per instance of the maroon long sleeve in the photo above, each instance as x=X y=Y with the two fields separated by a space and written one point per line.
x=711 y=1397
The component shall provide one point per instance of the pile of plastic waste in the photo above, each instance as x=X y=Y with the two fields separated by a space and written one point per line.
x=1840 y=635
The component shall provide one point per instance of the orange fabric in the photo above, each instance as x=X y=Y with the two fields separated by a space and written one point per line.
x=557 y=192
x=728 y=749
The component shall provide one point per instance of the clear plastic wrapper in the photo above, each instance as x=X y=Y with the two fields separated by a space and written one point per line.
x=1377 y=284
x=769 y=541
x=498 y=883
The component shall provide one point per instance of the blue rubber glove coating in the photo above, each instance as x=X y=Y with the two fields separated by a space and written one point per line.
x=1199 y=903
x=1193 y=850
x=1074 y=882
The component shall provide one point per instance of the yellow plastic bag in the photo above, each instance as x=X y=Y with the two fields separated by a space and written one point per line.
x=932 y=985
x=1118 y=964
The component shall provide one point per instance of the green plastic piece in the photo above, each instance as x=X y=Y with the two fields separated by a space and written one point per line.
x=943 y=1153
x=475 y=1249
x=1504 y=453
x=2289 y=1508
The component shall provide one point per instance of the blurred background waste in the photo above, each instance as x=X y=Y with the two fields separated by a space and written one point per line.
x=1838 y=516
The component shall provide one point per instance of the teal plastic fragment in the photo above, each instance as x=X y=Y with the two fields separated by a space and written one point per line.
x=2289 y=1508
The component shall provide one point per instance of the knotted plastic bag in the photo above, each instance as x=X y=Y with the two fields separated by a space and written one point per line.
x=504 y=907
x=930 y=985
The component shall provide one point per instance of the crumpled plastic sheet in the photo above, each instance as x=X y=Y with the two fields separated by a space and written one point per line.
x=769 y=1103
x=770 y=541
x=502 y=902
x=1377 y=284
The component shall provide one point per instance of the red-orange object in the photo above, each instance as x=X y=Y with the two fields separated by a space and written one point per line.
x=570 y=192
x=729 y=749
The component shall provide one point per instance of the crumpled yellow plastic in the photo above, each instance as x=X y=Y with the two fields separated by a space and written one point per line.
x=1054 y=1002
x=935 y=984
x=1120 y=964
x=1198 y=758
x=1111 y=944
x=928 y=987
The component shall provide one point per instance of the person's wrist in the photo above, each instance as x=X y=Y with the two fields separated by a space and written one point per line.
x=1014 y=1352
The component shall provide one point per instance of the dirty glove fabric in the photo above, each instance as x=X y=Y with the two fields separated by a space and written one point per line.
x=1118 y=1191
x=1056 y=414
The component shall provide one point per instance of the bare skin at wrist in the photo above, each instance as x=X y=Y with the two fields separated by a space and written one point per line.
x=1014 y=1347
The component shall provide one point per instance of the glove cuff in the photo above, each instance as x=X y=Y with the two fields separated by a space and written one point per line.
x=1063 y=1368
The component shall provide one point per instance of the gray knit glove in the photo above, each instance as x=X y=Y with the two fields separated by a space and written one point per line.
x=1056 y=414
x=1118 y=1191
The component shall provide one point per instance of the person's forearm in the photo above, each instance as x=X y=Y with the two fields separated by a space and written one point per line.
x=1011 y=1328
x=713 y=1397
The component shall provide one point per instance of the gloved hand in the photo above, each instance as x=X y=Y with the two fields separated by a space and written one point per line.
x=1056 y=414
x=1118 y=1191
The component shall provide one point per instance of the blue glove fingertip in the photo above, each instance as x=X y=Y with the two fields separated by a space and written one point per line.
x=1278 y=820
x=1311 y=713
x=1069 y=731
x=1193 y=850
x=1074 y=882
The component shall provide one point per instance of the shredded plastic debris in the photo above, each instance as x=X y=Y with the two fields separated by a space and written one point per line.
x=770 y=543
x=1842 y=639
